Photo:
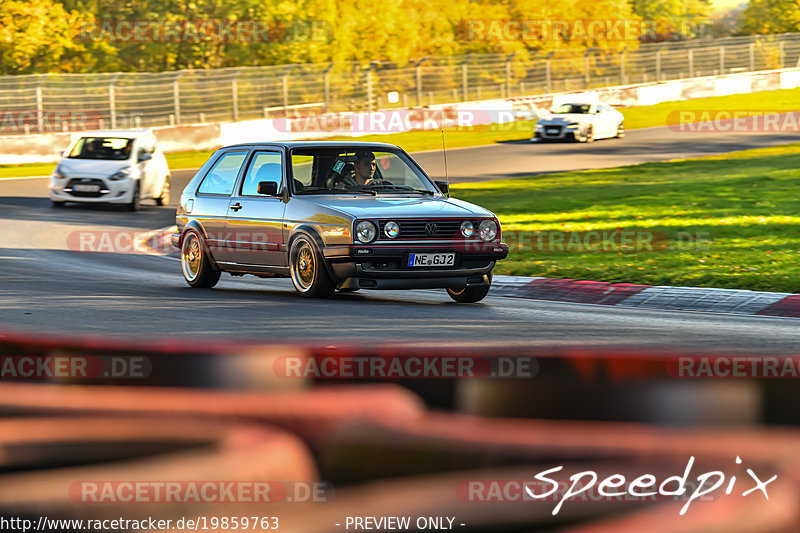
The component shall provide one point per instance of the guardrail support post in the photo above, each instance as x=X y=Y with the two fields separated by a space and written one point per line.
x=691 y=62
x=548 y=74
x=622 y=66
x=752 y=51
x=40 y=105
x=464 y=80
x=176 y=99
x=658 y=64
x=326 y=89
x=781 y=54
x=508 y=74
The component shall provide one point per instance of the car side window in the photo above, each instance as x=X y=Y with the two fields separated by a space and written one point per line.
x=265 y=166
x=222 y=176
x=603 y=108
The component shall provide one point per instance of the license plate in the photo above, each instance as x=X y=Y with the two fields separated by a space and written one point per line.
x=86 y=188
x=431 y=260
x=551 y=130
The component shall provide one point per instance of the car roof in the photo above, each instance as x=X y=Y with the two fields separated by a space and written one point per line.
x=115 y=133
x=318 y=144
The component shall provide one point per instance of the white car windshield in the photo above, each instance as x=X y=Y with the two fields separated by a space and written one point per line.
x=579 y=109
x=327 y=170
x=108 y=148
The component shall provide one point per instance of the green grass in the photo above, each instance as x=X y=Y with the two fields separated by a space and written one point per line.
x=743 y=207
x=459 y=137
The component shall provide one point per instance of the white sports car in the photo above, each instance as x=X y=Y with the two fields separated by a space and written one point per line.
x=583 y=122
x=114 y=166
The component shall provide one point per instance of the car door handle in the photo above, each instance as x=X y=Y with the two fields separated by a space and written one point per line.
x=236 y=206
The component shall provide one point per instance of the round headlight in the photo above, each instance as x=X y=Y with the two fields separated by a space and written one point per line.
x=488 y=230
x=467 y=229
x=365 y=231
x=391 y=229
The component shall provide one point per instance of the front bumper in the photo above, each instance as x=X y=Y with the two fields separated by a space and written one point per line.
x=384 y=266
x=111 y=192
x=555 y=133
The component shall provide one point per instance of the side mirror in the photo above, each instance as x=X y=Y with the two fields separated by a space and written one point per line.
x=61 y=153
x=267 y=188
x=443 y=186
x=145 y=157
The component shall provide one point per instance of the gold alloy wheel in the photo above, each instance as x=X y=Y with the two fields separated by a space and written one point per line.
x=191 y=257
x=304 y=267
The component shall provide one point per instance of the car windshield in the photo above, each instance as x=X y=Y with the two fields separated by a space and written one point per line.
x=326 y=170
x=580 y=109
x=109 y=148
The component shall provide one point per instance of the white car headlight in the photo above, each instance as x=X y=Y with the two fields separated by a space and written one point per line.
x=572 y=126
x=366 y=231
x=120 y=174
x=58 y=173
x=488 y=230
x=539 y=126
x=391 y=229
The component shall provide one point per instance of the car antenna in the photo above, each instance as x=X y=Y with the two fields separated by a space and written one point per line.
x=444 y=155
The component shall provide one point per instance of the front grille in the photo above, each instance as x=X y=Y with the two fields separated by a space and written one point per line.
x=447 y=229
x=553 y=130
x=70 y=188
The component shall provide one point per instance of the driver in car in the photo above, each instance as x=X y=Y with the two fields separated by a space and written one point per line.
x=362 y=175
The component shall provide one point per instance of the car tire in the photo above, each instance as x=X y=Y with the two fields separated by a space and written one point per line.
x=588 y=137
x=135 y=202
x=307 y=269
x=471 y=294
x=196 y=264
x=164 y=198
x=55 y=203
x=620 y=130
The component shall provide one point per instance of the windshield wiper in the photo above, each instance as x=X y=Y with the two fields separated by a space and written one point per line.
x=309 y=190
x=404 y=188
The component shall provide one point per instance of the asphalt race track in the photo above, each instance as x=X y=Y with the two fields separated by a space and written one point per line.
x=46 y=287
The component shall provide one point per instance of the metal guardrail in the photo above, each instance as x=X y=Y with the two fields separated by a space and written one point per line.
x=63 y=102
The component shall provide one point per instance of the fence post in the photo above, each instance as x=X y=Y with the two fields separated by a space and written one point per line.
x=548 y=73
x=691 y=62
x=40 y=104
x=176 y=98
x=285 y=90
x=752 y=56
x=464 y=80
x=586 y=75
x=326 y=82
x=658 y=63
x=235 y=96
x=721 y=60
x=112 y=107
x=622 y=66
x=508 y=74
x=781 y=53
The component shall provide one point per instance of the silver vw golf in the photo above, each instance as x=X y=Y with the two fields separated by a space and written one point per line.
x=333 y=216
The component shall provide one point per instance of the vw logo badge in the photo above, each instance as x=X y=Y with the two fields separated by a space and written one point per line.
x=430 y=228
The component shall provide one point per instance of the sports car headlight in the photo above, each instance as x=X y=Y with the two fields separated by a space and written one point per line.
x=120 y=174
x=391 y=229
x=467 y=229
x=488 y=230
x=366 y=231
x=572 y=126
x=539 y=126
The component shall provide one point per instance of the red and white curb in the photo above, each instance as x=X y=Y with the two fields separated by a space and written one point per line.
x=734 y=301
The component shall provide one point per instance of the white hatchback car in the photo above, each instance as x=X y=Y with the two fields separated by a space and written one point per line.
x=580 y=121
x=114 y=167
